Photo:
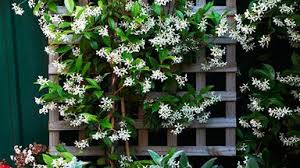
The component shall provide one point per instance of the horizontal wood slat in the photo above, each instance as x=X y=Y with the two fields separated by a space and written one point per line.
x=139 y=124
x=184 y=68
x=142 y=151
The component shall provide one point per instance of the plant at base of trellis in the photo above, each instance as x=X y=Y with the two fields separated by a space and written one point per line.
x=108 y=51
x=35 y=155
x=172 y=159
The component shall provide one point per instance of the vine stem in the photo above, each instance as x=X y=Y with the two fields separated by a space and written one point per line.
x=112 y=118
x=123 y=111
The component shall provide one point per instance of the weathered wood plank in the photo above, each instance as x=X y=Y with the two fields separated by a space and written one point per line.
x=197 y=68
x=143 y=151
x=139 y=124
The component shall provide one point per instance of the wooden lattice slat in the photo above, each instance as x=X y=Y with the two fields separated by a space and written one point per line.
x=228 y=122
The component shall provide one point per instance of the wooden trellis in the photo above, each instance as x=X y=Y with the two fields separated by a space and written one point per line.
x=228 y=122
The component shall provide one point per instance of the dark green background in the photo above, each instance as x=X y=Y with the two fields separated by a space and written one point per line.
x=22 y=59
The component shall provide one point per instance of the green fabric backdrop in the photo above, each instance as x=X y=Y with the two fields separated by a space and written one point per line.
x=22 y=59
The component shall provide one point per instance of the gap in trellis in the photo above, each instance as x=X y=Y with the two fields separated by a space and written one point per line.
x=217 y=2
x=68 y=137
x=157 y=138
x=215 y=137
x=191 y=81
x=132 y=108
x=217 y=79
x=182 y=139
x=218 y=109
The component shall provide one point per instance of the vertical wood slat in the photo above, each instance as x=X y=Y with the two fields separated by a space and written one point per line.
x=53 y=114
x=142 y=133
x=81 y=134
x=231 y=3
x=200 y=2
x=230 y=86
x=200 y=83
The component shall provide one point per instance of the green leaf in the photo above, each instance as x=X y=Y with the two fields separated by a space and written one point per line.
x=296 y=59
x=155 y=157
x=52 y=6
x=63 y=49
x=48 y=160
x=209 y=163
x=98 y=93
x=106 y=41
x=64 y=25
x=105 y=123
x=112 y=23
x=252 y=163
x=179 y=14
x=37 y=7
x=156 y=8
x=121 y=34
x=69 y=4
x=94 y=45
x=136 y=9
x=164 y=55
x=93 y=83
x=78 y=63
x=90 y=117
x=60 y=148
x=67 y=155
x=183 y=161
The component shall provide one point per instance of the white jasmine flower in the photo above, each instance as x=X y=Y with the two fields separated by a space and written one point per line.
x=50 y=50
x=42 y=81
x=58 y=163
x=164 y=111
x=284 y=9
x=258 y=133
x=125 y=161
x=161 y=2
x=244 y=88
x=124 y=134
x=70 y=101
x=296 y=94
x=39 y=101
x=17 y=9
x=278 y=22
x=254 y=104
x=114 y=137
x=146 y=85
x=128 y=81
x=101 y=53
x=120 y=71
x=222 y=28
x=158 y=75
x=106 y=103
x=264 y=41
x=289 y=80
x=289 y=141
x=82 y=144
x=261 y=85
x=290 y=23
x=56 y=19
x=244 y=123
x=61 y=67
x=76 y=51
x=99 y=78
x=242 y=147
x=181 y=80
x=31 y=3
x=78 y=121
x=99 y=135
x=279 y=112
x=178 y=129
x=103 y=31
x=255 y=123
x=177 y=60
x=202 y=26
